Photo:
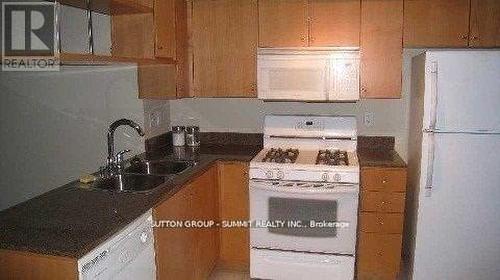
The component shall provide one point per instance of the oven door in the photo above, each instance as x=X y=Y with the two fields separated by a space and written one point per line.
x=301 y=216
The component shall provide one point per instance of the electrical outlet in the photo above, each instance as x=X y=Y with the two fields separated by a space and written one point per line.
x=368 y=119
x=155 y=119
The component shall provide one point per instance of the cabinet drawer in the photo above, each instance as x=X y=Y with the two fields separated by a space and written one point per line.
x=381 y=222
x=382 y=202
x=383 y=180
x=379 y=256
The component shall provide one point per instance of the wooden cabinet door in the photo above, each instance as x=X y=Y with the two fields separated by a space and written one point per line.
x=164 y=19
x=334 y=23
x=485 y=23
x=224 y=39
x=205 y=207
x=381 y=48
x=283 y=23
x=436 y=23
x=174 y=247
x=378 y=256
x=234 y=206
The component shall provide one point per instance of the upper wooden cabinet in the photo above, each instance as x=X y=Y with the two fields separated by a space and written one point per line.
x=381 y=48
x=171 y=39
x=436 y=23
x=224 y=42
x=334 y=22
x=485 y=23
x=283 y=23
x=302 y=23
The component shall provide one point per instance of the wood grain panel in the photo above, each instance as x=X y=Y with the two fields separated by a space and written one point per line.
x=436 y=23
x=334 y=23
x=383 y=179
x=224 y=39
x=485 y=23
x=381 y=48
x=381 y=222
x=157 y=81
x=382 y=202
x=283 y=23
x=133 y=35
x=24 y=265
x=379 y=256
x=174 y=247
x=234 y=206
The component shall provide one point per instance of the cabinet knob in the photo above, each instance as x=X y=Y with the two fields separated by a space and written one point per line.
x=160 y=47
x=303 y=38
x=363 y=90
x=384 y=181
x=475 y=37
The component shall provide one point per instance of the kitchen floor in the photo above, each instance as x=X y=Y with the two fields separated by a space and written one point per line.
x=221 y=274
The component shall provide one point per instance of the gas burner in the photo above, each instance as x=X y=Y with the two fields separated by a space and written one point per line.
x=281 y=156
x=329 y=157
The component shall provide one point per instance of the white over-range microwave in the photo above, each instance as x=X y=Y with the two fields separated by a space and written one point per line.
x=308 y=74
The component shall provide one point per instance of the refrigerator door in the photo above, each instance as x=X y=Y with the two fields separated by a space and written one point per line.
x=458 y=228
x=462 y=91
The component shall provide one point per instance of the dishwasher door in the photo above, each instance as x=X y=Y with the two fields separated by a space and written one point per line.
x=127 y=255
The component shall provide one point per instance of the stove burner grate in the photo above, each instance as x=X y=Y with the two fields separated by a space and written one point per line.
x=332 y=157
x=281 y=156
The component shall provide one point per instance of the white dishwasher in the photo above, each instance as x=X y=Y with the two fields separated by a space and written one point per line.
x=127 y=255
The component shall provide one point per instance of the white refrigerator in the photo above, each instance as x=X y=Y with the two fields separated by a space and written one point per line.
x=453 y=225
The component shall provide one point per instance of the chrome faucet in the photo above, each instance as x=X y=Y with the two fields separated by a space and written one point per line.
x=114 y=161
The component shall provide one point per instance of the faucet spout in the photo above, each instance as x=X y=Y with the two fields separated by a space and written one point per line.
x=111 y=135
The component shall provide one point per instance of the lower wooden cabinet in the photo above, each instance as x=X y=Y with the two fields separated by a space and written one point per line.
x=188 y=253
x=234 y=206
x=380 y=225
x=379 y=256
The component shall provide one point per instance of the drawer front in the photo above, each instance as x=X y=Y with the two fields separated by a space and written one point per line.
x=379 y=256
x=382 y=202
x=381 y=222
x=383 y=180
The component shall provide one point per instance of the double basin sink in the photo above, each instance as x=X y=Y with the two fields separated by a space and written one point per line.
x=139 y=175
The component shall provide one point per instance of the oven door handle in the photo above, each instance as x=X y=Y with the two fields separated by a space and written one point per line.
x=339 y=188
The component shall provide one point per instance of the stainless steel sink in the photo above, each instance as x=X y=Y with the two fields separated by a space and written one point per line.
x=129 y=183
x=157 y=167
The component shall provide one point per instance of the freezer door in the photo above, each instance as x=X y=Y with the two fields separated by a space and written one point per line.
x=458 y=228
x=462 y=91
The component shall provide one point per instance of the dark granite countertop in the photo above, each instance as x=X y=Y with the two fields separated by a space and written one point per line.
x=70 y=221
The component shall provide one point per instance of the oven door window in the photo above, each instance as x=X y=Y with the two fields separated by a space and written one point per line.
x=292 y=210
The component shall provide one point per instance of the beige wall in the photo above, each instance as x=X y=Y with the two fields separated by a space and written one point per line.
x=246 y=115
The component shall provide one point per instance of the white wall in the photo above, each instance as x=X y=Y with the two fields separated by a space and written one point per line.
x=246 y=115
x=53 y=125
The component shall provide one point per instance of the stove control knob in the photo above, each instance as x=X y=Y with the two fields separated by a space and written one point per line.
x=280 y=175
x=337 y=177
x=269 y=174
x=324 y=176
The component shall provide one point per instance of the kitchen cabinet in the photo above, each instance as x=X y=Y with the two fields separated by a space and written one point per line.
x=224 y=40
x=315 y=23
x=183 y=252
x=283 y=23
x=381 y=48
x=334 y=23
x=380 y=226
x=171 y=39
x=436 y=23
x=234 y=206
x=485 y=24
x=25 y=265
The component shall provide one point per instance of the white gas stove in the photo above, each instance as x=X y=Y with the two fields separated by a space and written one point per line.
x=304 y=187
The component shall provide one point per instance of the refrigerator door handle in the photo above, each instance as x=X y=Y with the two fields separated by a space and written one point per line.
x=429 y=185
x=434 y=95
